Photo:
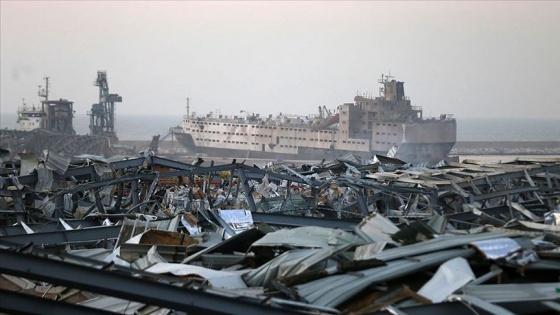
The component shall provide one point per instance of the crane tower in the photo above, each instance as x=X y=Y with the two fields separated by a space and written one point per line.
x=102 y=121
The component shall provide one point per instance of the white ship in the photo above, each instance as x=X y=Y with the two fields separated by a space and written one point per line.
x=53 y=115
x=370 y=125
x=30 y=118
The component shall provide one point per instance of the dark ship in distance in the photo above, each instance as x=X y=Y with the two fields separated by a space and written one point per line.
x=49 y=126
x=387 y=125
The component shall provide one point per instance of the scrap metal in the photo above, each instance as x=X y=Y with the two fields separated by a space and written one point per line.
x=333 y=237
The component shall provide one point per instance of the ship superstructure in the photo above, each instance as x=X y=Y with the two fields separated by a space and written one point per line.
x=30 y=117
x=368 y=126
x=53 y=115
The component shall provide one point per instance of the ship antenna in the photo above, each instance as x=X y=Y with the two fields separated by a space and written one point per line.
x=44 y=92
x=389 y=76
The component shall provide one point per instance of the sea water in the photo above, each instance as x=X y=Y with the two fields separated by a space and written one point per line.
x=143 y=127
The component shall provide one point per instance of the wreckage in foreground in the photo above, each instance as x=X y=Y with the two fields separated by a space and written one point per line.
x=155 y=236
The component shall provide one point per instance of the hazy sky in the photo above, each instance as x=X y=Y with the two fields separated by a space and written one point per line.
x=471 y=59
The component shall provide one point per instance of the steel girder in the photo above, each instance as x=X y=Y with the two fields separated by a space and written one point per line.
x=48 y=227
x=22 y=303
x=296 y=221
x=65 y=237
x=126 y=286
x=492 y=178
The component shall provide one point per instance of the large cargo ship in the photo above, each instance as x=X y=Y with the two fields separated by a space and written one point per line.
x=387 y=124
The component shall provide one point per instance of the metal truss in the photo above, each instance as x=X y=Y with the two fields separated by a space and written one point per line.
x=54 y=238
x=126 y=286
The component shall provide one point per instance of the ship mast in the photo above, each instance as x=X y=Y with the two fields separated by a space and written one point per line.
x=44 y=92
x=188 y=108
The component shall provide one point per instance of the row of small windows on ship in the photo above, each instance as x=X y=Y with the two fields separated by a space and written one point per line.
x=224 y=141
x=246 y=134
x=290 y=138
x=241 y=142
x=262 y=127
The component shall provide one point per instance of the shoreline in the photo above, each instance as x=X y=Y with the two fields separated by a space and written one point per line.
x=467 y=148
x=480 y=151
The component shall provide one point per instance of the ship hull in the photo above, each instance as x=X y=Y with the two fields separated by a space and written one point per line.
x=387 y=125
x=304 y=153
x=409 y=152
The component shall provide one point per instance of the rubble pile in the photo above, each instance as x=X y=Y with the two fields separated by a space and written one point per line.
x=150 y=235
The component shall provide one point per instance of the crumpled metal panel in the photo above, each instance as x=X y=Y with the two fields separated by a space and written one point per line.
x=482 y=304
x=120 y=306
x=552 y=217
x=44 y=178
x=352 y=158
x=288 y=264
x=377 y=228
x=497 y=248
x=308 y=236
x=450 y=276
x=332 y=291
x=496 y=293
x=218 y=279
x=239 y=220
x=105 y=171
x=368 y=250
x=29 y=162
x=96 y=158
x=55 y=162
x=439 y=243
x=152 y=257
x=113 y=304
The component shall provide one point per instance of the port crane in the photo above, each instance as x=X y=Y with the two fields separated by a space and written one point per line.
x=102 y=121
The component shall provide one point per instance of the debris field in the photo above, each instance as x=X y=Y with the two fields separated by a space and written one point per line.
x=149 y=235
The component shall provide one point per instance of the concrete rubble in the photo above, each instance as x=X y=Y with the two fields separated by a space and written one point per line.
x=149 y=235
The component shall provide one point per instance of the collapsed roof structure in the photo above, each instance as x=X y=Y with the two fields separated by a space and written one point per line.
x=150 y=235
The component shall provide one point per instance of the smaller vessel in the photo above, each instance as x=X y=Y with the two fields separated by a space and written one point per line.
x=49 y=126
x=53 y=115
x=30 y=118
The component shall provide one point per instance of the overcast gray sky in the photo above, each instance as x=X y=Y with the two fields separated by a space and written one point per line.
x=471 y=59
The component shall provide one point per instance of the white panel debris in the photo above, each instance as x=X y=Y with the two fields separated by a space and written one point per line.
x=238 y=220
x=218 y=279
x=497 y=248
x=450 y=276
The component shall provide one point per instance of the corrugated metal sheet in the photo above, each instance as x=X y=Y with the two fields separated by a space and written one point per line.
x=119 y=306
x=333 y=290
x=450 y=276
x=442 y=242
x=289 y=263
x=218 y=279
x=29 y=162
x=310 y=237
x=480 y=303
x=376 y=228
x=238 y=220
x=496 y=293
x=497 y=247
x=55 y=162
x=368 y=250
x=44 y=178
